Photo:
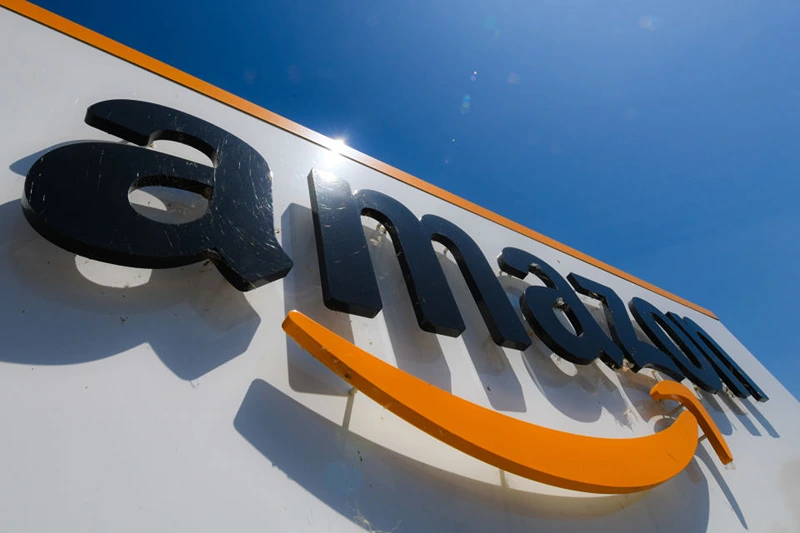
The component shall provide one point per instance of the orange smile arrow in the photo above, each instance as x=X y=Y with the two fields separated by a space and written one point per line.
x=577 y=462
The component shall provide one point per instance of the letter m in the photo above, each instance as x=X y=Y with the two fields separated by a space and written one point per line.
x=348 y=278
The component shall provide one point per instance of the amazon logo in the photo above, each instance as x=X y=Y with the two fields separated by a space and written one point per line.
x=77 y=196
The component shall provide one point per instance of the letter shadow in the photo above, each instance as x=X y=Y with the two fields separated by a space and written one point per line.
x=581 y=395
x=751 y=407
x=740 y=414
x=51 y=314
x=637 y=387
x=713 y=465
x=717 y=412
x=302 y=291
x=381 y=490
x=23 y=165
x=496 y=374
x=416 y=351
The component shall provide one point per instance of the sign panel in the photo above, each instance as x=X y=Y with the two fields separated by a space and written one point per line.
x=213 y=318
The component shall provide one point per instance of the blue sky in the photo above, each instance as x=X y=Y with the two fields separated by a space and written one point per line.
x=660 y=137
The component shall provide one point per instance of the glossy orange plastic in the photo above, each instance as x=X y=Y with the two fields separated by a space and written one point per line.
x=577 y=462
x=672 y=390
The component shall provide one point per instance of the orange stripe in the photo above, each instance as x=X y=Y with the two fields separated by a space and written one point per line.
x=139 y=59
x=567 y=460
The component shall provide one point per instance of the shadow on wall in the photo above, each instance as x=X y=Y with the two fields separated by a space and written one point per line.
x=497 y=376
x=580 y=392
x=717 y=412
x=709 y=459
x=758 y=415
x=303 y=292
x=416 y=351
x=383 y=491
x=52 y=315
x=21 y=166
